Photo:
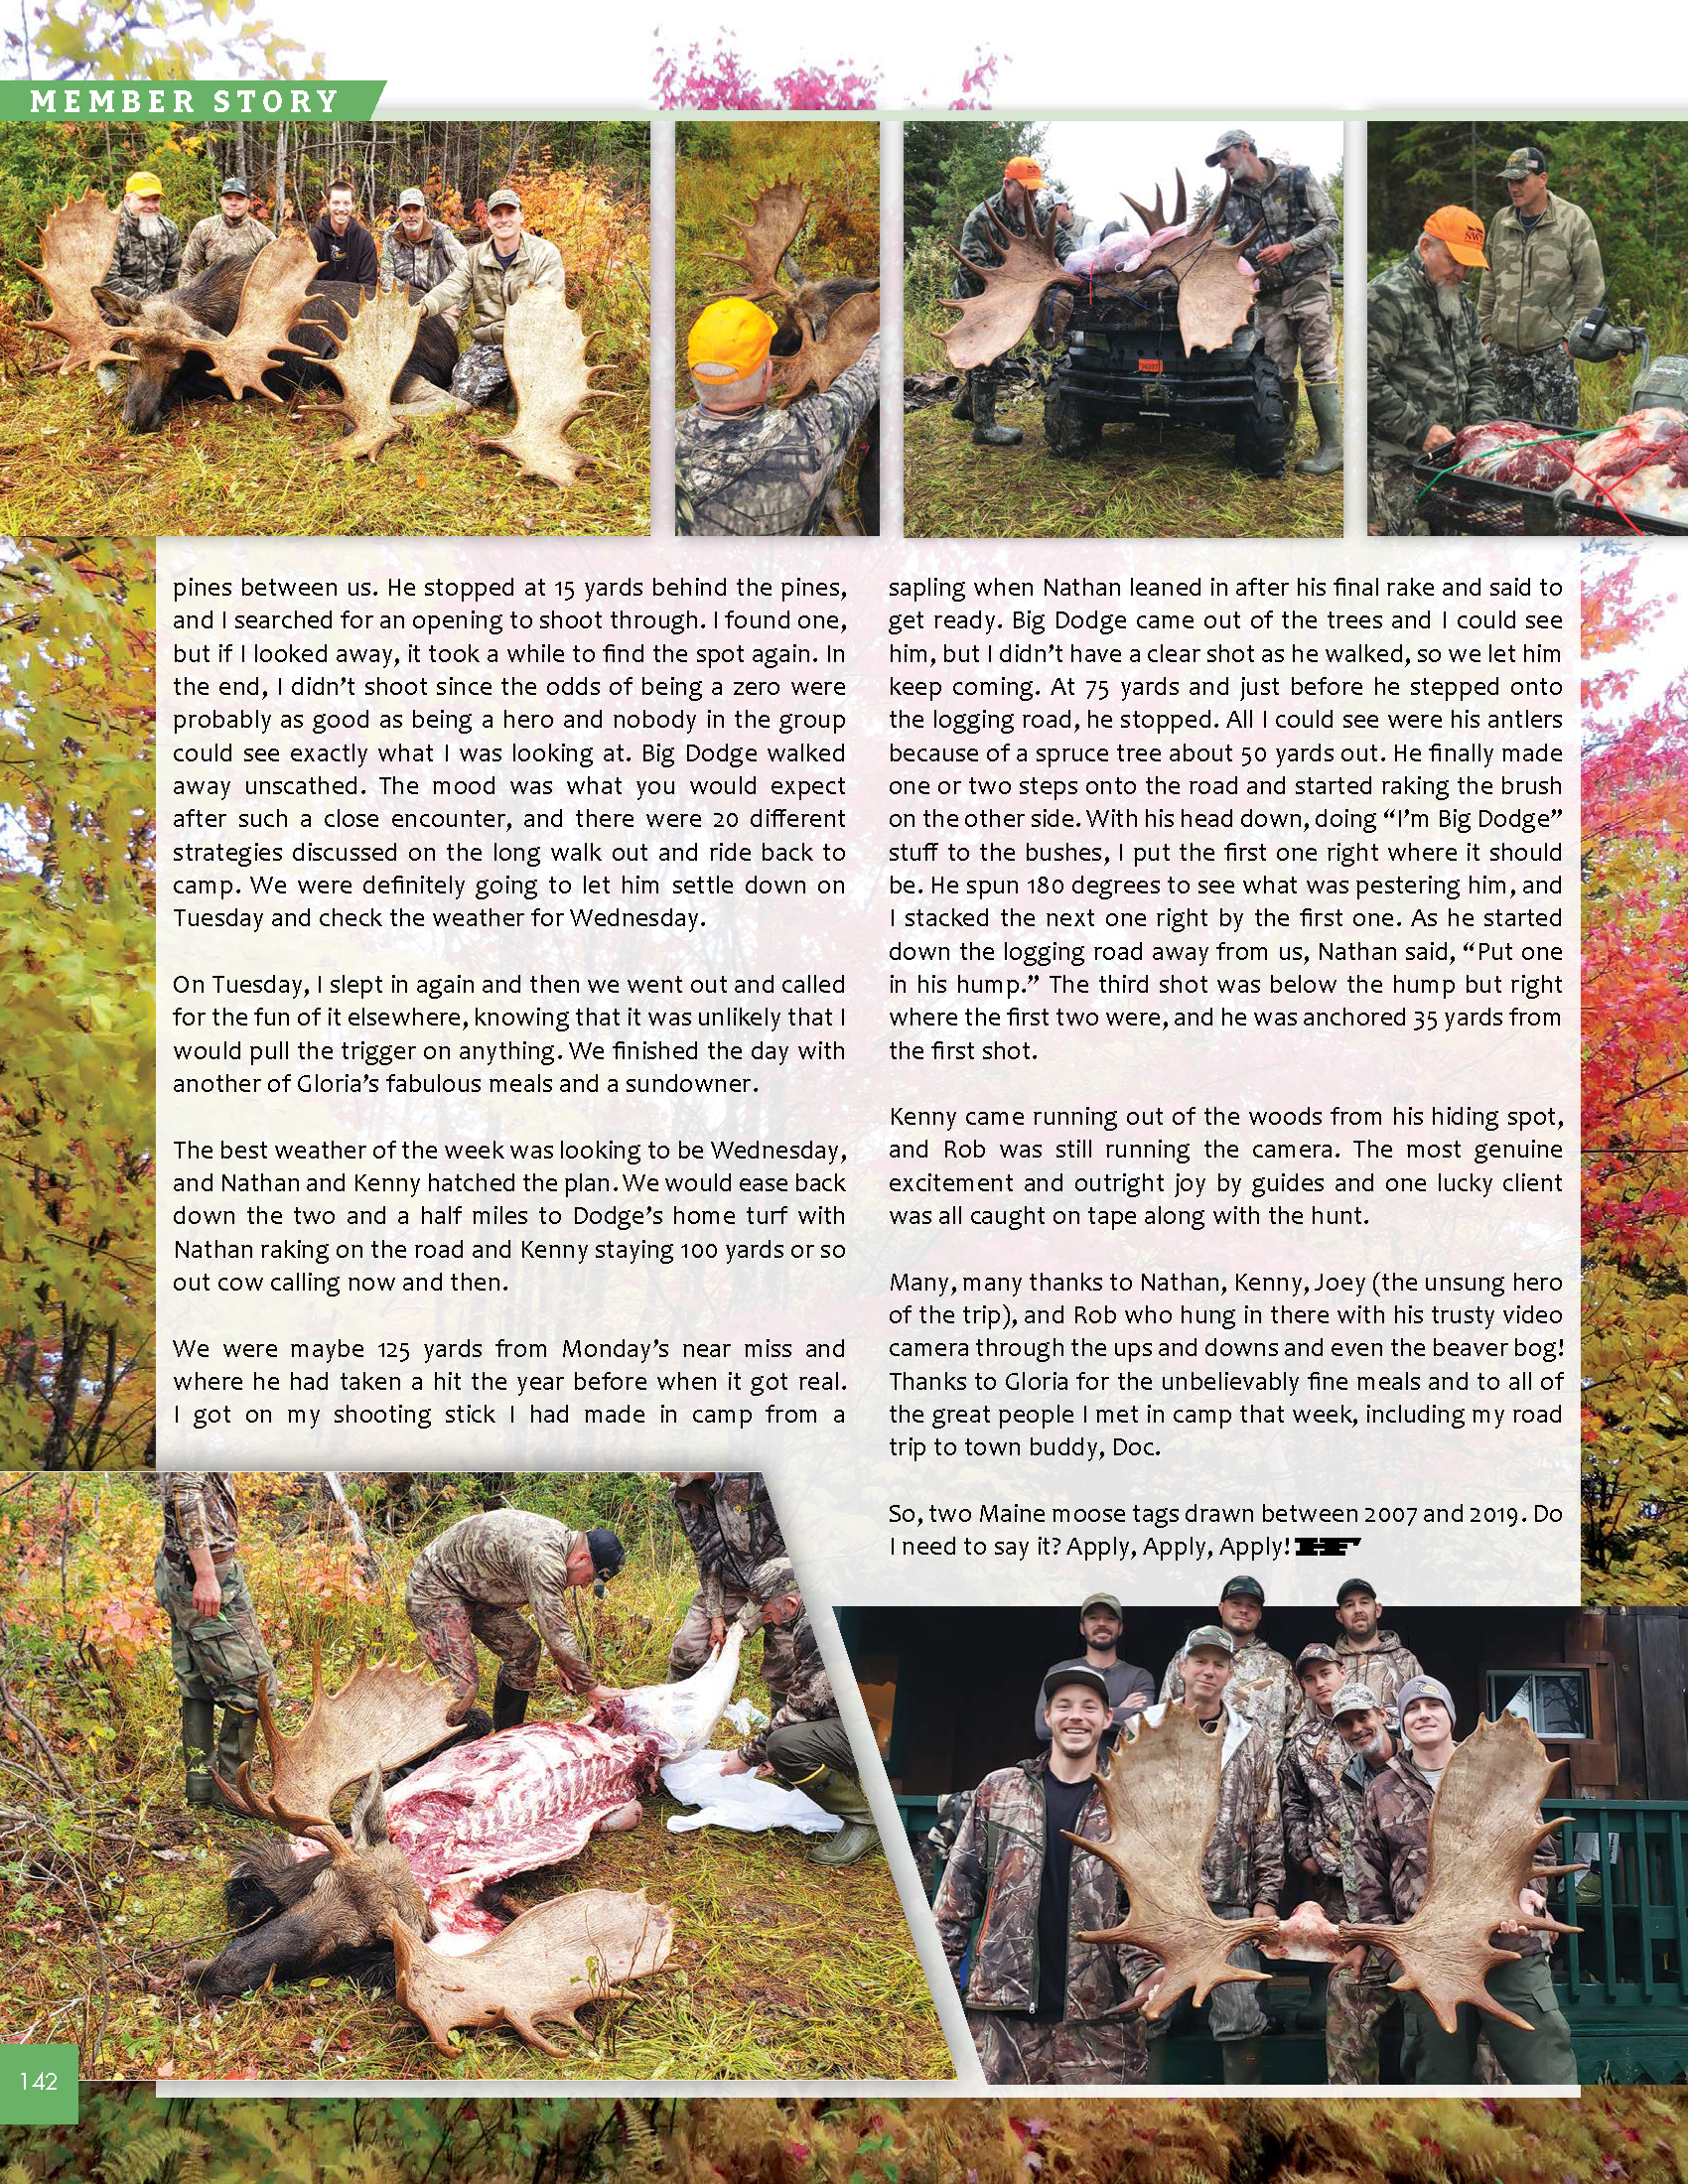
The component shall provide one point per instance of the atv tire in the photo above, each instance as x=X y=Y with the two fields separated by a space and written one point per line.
x=1069 y=427
x=1262 y=432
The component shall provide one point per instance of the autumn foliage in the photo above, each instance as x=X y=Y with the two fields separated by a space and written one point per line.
x=75 y=990
x=1635 y=797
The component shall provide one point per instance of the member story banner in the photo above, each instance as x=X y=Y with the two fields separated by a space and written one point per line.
x=203 y=101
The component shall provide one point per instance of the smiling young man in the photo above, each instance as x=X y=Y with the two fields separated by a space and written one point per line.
x=1101 y=1625
x=232 y=231
x=1393 y=1875
x=1369 y=1654
x=1043 y=2004
x=1262 y=1685
x=492 y=276
x=344 y=247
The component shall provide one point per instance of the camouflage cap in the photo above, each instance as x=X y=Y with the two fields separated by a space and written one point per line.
x=1354 y=1698
x=1208 y=1634
x=1249 y=1588
x=771 y=1579
x=1077 y=1672
x=1228 y=142
x=1527 y=160
x=1315 y=1655
x=503 y=197
x=407 y=198
x=235 y=186
x=1424 y=1686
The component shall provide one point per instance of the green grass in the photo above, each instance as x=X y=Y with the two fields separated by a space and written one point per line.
x=782 y=1968
x=267 y=468
x=1141 y=483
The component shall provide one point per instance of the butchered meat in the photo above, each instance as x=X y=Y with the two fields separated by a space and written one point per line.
x=1640 y=466
x=1509 y=454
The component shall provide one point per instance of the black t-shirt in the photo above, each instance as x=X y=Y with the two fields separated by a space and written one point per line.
x=1065 y=1802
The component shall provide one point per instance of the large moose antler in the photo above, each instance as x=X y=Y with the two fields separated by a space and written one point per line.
x=1162 y=1793
x=992 y=321
x=850 y=327
x=776 y=222
x=546 y=350
x=270 y=302
x=75 y=251
x=1485 y=1824
x=1214 y=295
x=548 y=1963
x=374 y=350
x=382 y=1717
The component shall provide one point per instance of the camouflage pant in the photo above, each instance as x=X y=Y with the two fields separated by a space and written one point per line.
x=1391 y=498
x=1356 y=2006
x=221 y=1658
x=690 y=1649
x=448 y=1622
x=1541 y=2056
x=481 y=372
x=1300 y=319
x=1540 y=387
x=1020 y=2051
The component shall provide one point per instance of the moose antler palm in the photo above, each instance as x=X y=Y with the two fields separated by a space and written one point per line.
x=382 y=1717
x=1484 y=1825
x=1213 y=293
x=546 y=350
x=820 y=358
x=1162 y=1794
x=374 y=350
x=75 y=250
x=991 y=321
x=776 y=222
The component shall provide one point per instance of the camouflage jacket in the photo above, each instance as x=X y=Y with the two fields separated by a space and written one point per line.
x=1244 y=1860
x=1310 y=1792
x=492 y=287
x=512 y=1558
x=1263 y=1686
x=1392 y=1850
x=424 y=264
x=1421 y=368
x=766 y=473
x=730 y=1528
x=806 y=1698
x=979 y=246
x=144 y=265
x=1352 y=1784
x=1539 y=282
x=1290 y=207
x=1382 y=1668
x=199 y=1511
x=213 y=239
x=988 y=1898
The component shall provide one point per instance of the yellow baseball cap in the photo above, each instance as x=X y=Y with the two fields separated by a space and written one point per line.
x=729 y=340
x=1461 y=230
x=143 y=184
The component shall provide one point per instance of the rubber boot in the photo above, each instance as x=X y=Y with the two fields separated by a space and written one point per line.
x=840 y=1792
x=1291 y=394
x=236 y=1745
x=509 y=1707
x=987 y=433
x=1242 y=2062
x=961 y=409
x=1326 y=403
x=199 y=1718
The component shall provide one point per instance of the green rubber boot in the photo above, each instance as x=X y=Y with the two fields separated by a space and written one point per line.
x=234 y=1748
x=1325 y=404
x=961 y=409
x=840 y=1792
x=198 y=1730
x=987 y=433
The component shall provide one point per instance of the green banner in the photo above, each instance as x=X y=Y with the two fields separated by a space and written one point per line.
x=252 y=99
x=37 y=2082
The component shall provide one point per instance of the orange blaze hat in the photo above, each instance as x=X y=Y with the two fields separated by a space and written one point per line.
x=729 y=340
x=1024 y=170
x=1461 y=230
x=143 y=184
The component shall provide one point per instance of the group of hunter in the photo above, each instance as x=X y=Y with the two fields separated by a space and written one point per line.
x=1295 y=233
x=418 y=253
x=476 y=1586
x=1438 y=359
x=1329 y=1765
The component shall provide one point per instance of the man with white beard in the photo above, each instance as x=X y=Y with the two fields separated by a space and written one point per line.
x=148 y=259
x=1428 y=374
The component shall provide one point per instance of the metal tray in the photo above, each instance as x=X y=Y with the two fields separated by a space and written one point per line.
x=1460 y=506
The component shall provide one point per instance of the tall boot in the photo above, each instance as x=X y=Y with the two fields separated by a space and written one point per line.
x=236 y=1745
x=987 y=433
x=509 y=1707
x=1290 y=390
x=840 y=1792
x=961 y=409
x=1242 y=2062
x=199 y=1717
x=1326 y=403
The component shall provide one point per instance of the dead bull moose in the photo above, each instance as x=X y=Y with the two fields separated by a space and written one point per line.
x=264 y=324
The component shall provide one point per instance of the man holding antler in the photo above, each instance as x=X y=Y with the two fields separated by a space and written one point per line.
x=1043 y=2005
x=491 y=277
x=1014 y=208
x=1392 y=1873
x=216 y=1646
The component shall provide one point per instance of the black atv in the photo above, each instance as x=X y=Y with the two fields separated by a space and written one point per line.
x=1124 y=362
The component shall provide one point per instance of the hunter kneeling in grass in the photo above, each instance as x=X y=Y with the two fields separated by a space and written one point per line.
x=492 y=276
